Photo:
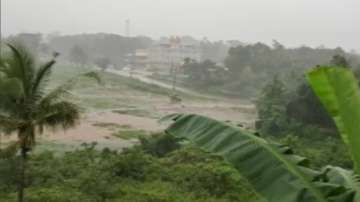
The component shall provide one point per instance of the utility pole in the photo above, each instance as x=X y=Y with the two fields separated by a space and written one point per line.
x=176 y=53
x=127 y=34
x=127 y=28
x=174 y=70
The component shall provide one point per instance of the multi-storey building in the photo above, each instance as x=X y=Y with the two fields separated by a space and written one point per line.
x=168 y=52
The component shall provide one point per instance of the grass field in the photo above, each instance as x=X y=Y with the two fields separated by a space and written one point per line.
x=126 y=94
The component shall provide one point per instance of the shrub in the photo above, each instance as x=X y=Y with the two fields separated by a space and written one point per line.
x=159 y=144
x=89 y=175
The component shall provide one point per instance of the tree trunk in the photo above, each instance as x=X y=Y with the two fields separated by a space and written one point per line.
x=21 y=185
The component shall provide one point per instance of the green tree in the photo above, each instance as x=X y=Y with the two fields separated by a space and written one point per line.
x=271 y=106
x=27 y=107
x=282 y=108
x=339 y=60
x=204 y=74
x=305 y=107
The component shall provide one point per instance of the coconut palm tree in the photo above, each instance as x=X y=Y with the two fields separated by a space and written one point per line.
x=27 y=106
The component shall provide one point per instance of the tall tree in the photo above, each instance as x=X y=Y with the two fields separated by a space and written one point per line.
x=271 y=106
x=27 y=107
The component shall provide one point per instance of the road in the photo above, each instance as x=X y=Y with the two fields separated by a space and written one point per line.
x=143 y=77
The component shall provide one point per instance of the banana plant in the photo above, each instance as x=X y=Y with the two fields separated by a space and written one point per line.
x=338 y=90
x=275 y=172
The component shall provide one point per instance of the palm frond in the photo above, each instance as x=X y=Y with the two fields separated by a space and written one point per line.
x=92 y=75
x=63 y=91
x=60 y=92
x=22 y=66
x=11 y=87
x=42 y=75
x=62 y=114
x=8 y=124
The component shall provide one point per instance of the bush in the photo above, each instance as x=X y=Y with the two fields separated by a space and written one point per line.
x=56 y=194
x=320 y=151
x=207 y=175
x=134 y=164
x=159 y=144
x=89 y=175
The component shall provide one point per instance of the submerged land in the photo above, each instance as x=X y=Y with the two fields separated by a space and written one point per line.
x=122 y=105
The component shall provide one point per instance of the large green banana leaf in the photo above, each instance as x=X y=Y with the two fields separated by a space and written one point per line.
x=338 y=90
x=272 y=169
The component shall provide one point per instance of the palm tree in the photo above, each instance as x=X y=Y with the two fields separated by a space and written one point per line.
x=27 y=106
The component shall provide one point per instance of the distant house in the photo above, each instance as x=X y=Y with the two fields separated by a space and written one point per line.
x=141 y=58
x=168 y=52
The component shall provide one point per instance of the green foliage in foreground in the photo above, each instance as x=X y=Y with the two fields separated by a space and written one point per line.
x=284 y=106
x=273 y=170
x=138 y=174
x=320 y=150
x=338 y=90
x=291 y=113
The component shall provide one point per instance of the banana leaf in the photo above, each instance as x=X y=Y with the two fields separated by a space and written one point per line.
x=272 y=169
x=338 y=90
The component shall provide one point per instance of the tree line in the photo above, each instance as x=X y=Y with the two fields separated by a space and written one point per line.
x=248 y=67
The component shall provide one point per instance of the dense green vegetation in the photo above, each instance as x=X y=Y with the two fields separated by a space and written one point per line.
x=294 y=116
x=290 y=112
x=256 y=64
x=231 y=165
x=201 y=75
x=247 y=68
x=273 y=169
x=154 y=171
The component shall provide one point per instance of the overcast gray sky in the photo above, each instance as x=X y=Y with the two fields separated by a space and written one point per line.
x=292 y=22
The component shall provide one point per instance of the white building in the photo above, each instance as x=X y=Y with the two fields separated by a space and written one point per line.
x=169 y=52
